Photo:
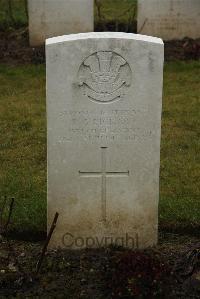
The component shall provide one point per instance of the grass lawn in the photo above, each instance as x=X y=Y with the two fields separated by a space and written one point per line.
x=18 y=15
x=119 y=11
x=23 y=145
x=180 y=146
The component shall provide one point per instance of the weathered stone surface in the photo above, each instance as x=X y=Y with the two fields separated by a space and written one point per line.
x=49 y=18
x=169 y=19
x=104 y=96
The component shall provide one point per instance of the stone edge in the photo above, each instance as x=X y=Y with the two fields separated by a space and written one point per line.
x=103 y=35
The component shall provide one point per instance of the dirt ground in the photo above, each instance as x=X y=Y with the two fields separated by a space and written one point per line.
x=170 y=270
x=14 y=49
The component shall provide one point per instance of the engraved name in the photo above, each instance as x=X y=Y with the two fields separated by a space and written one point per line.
x=111 y=125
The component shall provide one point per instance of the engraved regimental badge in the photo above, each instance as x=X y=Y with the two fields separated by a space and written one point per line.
x=104 y=76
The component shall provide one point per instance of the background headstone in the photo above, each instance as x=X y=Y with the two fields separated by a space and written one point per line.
x=104 y=96
x=169 y=19
x=49 y=18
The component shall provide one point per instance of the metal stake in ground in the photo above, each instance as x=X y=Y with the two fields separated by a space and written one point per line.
x=53 y=225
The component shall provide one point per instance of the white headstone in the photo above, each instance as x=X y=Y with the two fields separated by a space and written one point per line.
x=49 y=18
x=104 y=96
x=169 y=19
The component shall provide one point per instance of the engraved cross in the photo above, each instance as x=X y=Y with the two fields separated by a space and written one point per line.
x=103 y=174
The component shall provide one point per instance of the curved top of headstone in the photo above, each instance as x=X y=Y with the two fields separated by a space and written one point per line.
x=99 y=35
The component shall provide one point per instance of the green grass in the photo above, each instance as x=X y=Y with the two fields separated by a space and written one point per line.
x=180 y=146
x=18 y=12
x=120 y=11
x=23 y=145
x=117 y=9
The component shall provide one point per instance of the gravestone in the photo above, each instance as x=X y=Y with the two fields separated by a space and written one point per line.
x=104 y=96
x=49 y=18
x=169 y=19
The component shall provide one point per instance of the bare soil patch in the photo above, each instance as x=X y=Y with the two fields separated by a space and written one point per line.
x=162 y=272
x=15 y=49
